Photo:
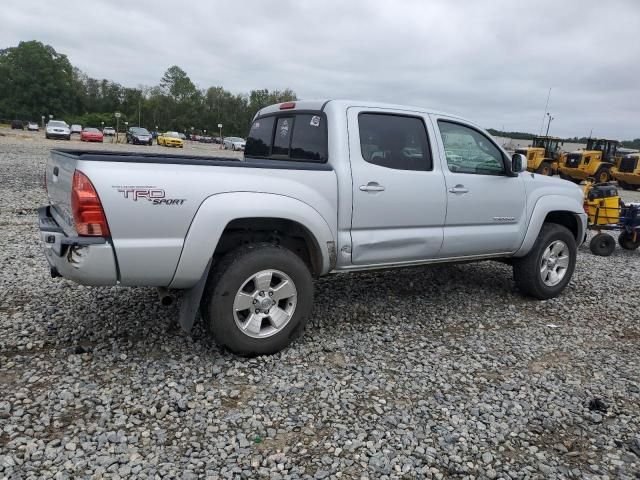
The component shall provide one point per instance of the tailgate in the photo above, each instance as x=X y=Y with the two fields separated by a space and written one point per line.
x=59 y=177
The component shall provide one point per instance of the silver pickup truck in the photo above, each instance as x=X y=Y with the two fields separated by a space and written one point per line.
x=323 y=187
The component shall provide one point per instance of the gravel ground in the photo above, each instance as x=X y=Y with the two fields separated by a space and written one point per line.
x=441 y=372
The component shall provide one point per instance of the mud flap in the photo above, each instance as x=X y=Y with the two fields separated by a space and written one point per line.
x=190 y=301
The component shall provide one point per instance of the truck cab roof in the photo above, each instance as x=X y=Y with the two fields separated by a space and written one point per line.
x=320 y=105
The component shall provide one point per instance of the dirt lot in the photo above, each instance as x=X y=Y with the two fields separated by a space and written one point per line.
x=441 y=372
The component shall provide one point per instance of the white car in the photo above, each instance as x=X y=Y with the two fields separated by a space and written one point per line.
x=33 y=127
x=108 y=131
x=76 y=128
x=57 y=129
x=233 y=143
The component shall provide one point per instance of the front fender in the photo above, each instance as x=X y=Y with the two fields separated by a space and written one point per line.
x=544 y=206
x=215 y=213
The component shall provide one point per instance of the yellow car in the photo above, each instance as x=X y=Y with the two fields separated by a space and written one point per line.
x=170 y=139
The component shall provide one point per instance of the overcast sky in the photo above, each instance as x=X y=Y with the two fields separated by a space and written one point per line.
x=491 y=61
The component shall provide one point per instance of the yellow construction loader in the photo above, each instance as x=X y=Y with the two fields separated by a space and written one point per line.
x=544 y=155
x=596 y=161
x=626 y=171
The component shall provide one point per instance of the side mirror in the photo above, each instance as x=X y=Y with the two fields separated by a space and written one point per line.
x=518 y=163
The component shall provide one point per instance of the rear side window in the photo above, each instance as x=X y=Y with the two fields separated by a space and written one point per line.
x=301 y=137
x=394 y=141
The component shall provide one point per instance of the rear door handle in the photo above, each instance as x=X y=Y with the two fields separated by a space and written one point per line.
x=372 y=187
x=459 y=189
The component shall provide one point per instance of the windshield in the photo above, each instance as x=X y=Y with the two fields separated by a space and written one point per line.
x=172 y=135
x=140 y=131
x=235 y=139
x=56 y=123
x=92 y=130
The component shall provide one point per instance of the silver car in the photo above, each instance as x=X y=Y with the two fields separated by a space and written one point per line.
x=233 y=143
x=57 y=129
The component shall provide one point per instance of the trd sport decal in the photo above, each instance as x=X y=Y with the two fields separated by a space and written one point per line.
x=156 y=196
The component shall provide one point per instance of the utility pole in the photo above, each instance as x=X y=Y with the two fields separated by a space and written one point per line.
x=549 y=124
x=545 y=110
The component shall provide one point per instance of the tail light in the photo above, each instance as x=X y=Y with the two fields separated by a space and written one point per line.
x=86 y=207
x=287 y=105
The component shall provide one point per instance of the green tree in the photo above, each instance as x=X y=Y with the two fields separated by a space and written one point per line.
x=36 y=80
x=176 y=83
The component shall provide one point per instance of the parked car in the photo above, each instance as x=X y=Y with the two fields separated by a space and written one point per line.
x=233 y=143
x=57 y=129
x=91 y=135
x=17 y=125
x=182 y=136
x=139 y=136
x=33 y=127
x=75 y=128
x=108 y=131
x=244 y=239
x=170 y=139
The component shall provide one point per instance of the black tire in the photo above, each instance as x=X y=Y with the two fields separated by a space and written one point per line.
x=69 y=137
x=46 y=136
x=526 y=270
x=625 y=240
x=151 y=143
x=602 y=245
x=226 y=279
x=545 y=169
x=603 y=175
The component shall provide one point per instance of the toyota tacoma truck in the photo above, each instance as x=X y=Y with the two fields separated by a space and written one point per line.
x=324 y=187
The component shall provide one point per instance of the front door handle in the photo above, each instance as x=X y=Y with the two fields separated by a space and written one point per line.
x=459 y=189
x=372 y=187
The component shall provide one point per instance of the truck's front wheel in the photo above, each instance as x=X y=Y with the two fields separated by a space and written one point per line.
x=547 y=269
x=258 y=299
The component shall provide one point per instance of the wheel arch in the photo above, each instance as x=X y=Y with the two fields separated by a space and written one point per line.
x=554 y=209
x=238 y=216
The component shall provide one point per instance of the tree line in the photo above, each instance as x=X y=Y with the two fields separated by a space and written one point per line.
x=530 y=136
x=37 y=81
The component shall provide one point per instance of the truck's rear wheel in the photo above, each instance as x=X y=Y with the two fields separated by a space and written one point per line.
x=258 y=299
x=547 y=269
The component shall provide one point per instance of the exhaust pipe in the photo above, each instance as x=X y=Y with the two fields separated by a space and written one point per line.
x=166 y=299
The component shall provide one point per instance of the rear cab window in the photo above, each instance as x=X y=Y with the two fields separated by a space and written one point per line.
x=289 y=136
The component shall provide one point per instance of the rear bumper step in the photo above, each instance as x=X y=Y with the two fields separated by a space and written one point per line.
x=86 y=260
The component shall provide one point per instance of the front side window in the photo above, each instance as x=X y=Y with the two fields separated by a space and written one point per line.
x=394 y=141
x=469 y=151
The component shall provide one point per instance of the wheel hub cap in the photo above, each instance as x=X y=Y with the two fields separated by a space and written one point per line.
x=265 y=303
x=554 y=263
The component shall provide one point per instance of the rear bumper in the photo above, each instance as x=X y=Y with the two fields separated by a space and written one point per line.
x=85 y=260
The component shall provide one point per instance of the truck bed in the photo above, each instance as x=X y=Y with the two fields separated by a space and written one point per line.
x=152 y=202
